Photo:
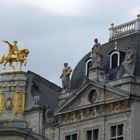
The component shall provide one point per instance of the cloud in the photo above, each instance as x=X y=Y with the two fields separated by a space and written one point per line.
x=58 y=7
x=58 y=31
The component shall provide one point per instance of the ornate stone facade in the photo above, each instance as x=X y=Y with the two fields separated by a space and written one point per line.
x=100 y=102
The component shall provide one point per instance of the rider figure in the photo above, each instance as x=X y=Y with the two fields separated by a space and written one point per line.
x=13 y=48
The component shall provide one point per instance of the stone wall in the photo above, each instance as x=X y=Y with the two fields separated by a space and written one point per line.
x=102 y=123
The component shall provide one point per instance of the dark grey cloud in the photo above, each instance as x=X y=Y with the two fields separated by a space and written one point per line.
x=54 y=39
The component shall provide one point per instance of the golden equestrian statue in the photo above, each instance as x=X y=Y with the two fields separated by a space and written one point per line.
x=14 y=55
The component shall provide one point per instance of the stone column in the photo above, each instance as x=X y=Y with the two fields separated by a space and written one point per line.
x=12 y=99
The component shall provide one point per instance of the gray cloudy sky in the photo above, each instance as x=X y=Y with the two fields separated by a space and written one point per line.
x=58 y=31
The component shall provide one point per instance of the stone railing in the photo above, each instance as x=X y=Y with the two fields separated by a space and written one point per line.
x=124 y=29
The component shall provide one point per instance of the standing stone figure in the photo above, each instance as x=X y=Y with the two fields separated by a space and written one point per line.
x=96 y=53
x=65 y=76
x=128 y=62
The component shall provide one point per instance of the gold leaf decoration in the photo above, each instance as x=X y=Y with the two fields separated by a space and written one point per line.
x=19 y=102
x=1 y=102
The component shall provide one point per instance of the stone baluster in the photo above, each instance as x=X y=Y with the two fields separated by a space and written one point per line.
x=125 y=28
x=137 y=23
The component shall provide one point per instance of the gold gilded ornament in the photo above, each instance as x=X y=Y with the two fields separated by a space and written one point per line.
x=19 y=102
x=1 y=102
x=14 y=55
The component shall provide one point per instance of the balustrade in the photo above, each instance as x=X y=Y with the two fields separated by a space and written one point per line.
x=124 y=29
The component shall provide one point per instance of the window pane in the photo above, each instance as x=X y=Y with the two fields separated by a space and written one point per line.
x=95 y=134
x=113 y=131
x=74 y=137
x=114 y=60
x=121 y=138
x=89 y=135
x=120 y=129
x=89 y=65
x=67 y=138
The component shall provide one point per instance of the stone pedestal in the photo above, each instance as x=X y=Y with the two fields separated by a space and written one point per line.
x=12 y=99
x=63 y=96
x=96 y=73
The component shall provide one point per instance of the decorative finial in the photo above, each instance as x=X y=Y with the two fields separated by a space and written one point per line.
x=138 y=16
x=14 y=55
x=115 y=45
x=112 y=24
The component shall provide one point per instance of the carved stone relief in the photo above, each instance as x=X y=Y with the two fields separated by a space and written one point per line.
x=8 y=103
x=95 y=111
x=117 y=106
x=12 y=84
x=72 y=117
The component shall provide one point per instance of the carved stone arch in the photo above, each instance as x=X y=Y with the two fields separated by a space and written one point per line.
x=19 y=134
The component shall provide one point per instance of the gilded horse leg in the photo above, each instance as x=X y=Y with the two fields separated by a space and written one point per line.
x=11 y=65
x=21 y=65
x=4 y=65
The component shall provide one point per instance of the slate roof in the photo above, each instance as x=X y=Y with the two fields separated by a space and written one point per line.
x=132 y=41
x=47 y=90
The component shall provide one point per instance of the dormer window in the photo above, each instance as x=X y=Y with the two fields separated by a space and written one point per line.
x=116 y=58
x=88 y=66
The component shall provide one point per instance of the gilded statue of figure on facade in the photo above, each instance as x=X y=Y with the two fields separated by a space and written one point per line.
x=13 y=48
x=14 y=55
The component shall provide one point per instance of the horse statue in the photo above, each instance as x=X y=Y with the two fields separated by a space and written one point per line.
x=14 y=55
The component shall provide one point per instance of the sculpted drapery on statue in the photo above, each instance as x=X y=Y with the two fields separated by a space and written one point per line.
x=96 y=53
x=65 y=76
x=14 y=55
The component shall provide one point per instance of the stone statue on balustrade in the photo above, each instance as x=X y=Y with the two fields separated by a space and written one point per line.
x=96 y=53
x=128 y=63
x=65 y=76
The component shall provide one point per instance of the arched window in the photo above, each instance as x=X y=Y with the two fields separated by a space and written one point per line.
x=114 y=59
x=88 y=66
